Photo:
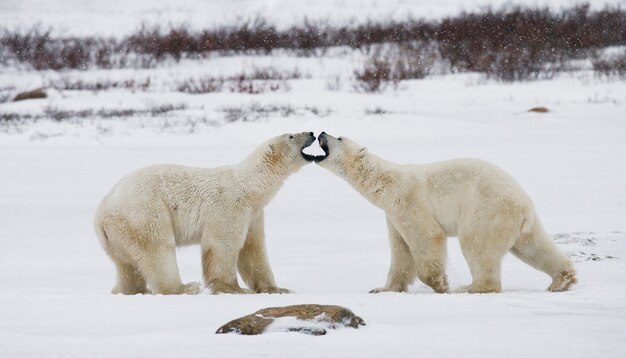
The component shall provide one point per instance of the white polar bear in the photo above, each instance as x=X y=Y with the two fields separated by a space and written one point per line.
x=424 y=204
x=152 y=210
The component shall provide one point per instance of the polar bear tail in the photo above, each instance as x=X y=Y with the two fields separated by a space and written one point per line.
x=527 y=225
x=537 y=249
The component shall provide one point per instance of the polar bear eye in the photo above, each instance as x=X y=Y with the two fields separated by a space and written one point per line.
x=339 y=138
x=291 y=137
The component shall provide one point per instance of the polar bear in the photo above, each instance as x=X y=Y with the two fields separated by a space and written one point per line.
x=152 y=210
x=424 y=204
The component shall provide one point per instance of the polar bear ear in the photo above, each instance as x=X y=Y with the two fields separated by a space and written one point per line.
x=361 y=152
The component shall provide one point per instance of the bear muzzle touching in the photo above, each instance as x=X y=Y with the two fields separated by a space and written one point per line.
x=323 y=143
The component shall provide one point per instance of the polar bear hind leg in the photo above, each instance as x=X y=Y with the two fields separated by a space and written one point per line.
x=153 y=257
x=129 y=280
x=537 y=250
x=483 y=250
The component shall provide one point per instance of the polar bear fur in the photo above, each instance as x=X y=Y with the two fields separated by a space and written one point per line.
x=152 y=210
x=424 y=204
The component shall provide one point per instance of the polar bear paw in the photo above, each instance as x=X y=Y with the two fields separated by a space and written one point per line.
x=388 y=289
x=563 y=281
x=485 y=288
x=191 y=288
x=219 y=288
x=133 y=291
x=278 y=290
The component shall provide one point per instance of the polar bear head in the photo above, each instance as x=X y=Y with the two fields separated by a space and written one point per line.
x=284 y=154
x=340 y=153
x=369 y=174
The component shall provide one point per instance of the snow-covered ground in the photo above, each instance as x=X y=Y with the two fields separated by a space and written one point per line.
x=325 y=242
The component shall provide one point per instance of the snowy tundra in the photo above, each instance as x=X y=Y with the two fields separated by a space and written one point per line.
x=325 y=241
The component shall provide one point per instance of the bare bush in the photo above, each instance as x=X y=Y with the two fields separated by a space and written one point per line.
x=610 y=66
x=521 y=44
x=63 y=115
x=13 y=117
x=376 y=111
x=77 y=84
x=240 y=84
x=268 y=73
x=243 y=84
x=513 y=43
x=164 y=108
x=316 y=111
x=260 y=80
x=38 y=48
x=60 y=115
x=394 y=63
x=413 y=60
x=334 y=83
x=201 y=85
x=256 y=111
x=159 y=44
x=4 y=96
x=375 y=76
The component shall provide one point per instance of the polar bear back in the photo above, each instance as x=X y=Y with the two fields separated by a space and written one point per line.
x=184 y=197
x=460 y=189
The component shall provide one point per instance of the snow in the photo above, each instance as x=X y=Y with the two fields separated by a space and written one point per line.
x=325 y=242
x=288 y=324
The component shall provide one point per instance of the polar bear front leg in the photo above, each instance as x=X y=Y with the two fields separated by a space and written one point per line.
x=427 y=243
x=161 y=271
x=253 y=263
x=219 y=260
x=402 y=267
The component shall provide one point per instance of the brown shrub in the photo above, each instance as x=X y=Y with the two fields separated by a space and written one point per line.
x=375 y=76
x=513 y=43
x=77 y=84
x=610 y=66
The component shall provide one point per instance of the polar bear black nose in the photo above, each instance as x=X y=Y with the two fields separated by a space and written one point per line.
x=311 y=134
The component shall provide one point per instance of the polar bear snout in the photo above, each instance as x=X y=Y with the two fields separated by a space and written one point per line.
x=323 y=142
x=309 y=140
